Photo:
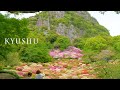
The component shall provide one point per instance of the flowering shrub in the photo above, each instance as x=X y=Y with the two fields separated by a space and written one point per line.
x=70 y=52
x=59 y=69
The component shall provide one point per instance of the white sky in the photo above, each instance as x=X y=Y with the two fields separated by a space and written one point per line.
x=25 y=15
x=110 y=20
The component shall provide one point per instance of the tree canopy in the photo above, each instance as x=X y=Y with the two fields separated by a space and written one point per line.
x=11 y=27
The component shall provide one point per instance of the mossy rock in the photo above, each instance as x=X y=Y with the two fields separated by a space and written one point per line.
x=8 y=75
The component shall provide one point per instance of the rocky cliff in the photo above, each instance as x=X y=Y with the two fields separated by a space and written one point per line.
x=73 y=24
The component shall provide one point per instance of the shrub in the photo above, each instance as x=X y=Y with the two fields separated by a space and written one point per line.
x=116 y=39
x=11 y=27
x=88 y=56
x=36 y=53
x=108 y=70
x=116 y=43
x=1 y=67
x=116 y=56
x=12 y=59
x=104 y=55
x=62 y=42
x=117 y=46
x=109 y=40
x=95 y=43
x=79 y=42
x=51 y=38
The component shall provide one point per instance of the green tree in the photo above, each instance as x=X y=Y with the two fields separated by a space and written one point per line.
x=62 y=42
x=11 y=28
x=95 y=43
x=79 y=42
x=36 y=53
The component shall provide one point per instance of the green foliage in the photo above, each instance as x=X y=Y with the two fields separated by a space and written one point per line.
x=11 y=28
x=117 y=46
x=109 y=40
x=109 y=70
x=73 y=18
x=13 y=59
x=2 y=60
x=95 y=43
x=62 y=42
x=88 y=56
x=79 y=42
x=116 y=56
x=36 y=53
x=1 y=66
x=116 y=39
x=104 y=55
x=90 y=28
x=51 y=38
x=116 y=43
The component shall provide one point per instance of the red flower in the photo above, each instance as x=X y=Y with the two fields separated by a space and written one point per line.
x=84 y=71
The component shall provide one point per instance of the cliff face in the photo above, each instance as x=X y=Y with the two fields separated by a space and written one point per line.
x=72 y=24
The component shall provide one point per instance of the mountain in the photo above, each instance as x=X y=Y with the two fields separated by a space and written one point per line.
x=73 y=24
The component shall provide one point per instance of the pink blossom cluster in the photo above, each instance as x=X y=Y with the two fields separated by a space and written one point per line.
x=70 y=52
x=56 y=68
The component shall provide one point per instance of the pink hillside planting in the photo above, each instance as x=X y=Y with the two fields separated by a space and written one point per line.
x=70 y=52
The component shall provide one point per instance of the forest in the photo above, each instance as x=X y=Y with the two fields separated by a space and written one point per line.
x=58 y=44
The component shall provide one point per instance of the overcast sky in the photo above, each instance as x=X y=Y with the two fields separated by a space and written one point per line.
x=110 y=20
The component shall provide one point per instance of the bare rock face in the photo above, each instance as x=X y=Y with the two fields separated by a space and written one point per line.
x=71 y=32
x=45 y=22
x=60 y=14
x=66 y=31
x=42 y=22
x=39 y=22
x=61 y=29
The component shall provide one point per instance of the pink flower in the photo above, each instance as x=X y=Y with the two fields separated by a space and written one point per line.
x=34 y=71
x=52 y=54
x=59 y=62
x=70 y=52
x=25 y=70
x=61 y=55
x=19 y=68
x=20 y=73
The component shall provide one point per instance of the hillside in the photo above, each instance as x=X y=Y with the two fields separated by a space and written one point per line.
x=70 y=45
x=73 y=24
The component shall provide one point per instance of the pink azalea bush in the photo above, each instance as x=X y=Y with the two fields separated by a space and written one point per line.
x=70 y=52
